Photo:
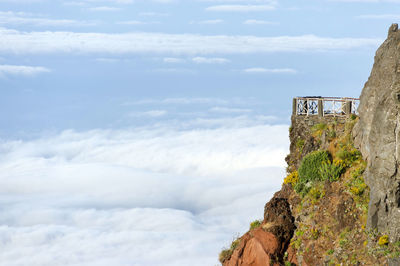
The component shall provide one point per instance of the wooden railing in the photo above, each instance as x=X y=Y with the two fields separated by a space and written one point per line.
x=325 y=106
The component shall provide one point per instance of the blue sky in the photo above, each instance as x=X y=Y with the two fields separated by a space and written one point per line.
x=153 y=132
x=76 y=64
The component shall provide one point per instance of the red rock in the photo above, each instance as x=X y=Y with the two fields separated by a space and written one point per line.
x=267 y=244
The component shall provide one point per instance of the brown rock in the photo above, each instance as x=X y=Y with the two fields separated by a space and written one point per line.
x=267 y=244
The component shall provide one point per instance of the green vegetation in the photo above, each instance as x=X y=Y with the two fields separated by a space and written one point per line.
x=227 y=253
x=318 y=129
x=309 y=171
x=316 y=192
x=255 y=224
x=300 y=145
x=383 y=240
x=332 y=170
x=292 y=178
x=348 y=155
x=315 y=233
x=309 y=167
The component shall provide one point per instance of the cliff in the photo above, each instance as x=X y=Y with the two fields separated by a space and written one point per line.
x=340 y=202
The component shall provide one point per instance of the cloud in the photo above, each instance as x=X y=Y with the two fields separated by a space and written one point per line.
x=204 y=60
x=366 y=1
x=208 y=22
x=179 y=101
x=173 y=60
x=228 y=110
x=240 y=8
x=272 y=2
x=152 y=113
x=153 y=14
x=144 y=196
x=104 y=8
x=258 y=22
x=17 y=42
x=21 y=18
x=13 y=70
x=21 y=1
x=171 y=70
x=270 y=70
x=136 y=22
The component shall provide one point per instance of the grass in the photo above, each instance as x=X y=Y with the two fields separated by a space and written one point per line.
x=332 y=170
x=255 y=224
x=226 y=254
x=309 y=171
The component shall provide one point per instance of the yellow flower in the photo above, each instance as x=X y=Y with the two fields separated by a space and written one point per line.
x=383 y=240
x=292 y=178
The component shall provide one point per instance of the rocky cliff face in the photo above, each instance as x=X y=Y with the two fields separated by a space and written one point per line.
x=336 y=218
x=377 y=135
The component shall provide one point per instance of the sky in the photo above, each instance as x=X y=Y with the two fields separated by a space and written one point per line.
x=153 y=132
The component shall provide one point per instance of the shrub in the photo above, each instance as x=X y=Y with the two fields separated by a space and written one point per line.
x=315 y=233
x=348 y=155
x=357 y=184
x=302 y=188
x=255 y=224
x=316 y=192
x=331 y=134
x=383 y=240
x=227 y=253
x=318 y=129
x=309 y=167
x=331 y=171
x=300 y=145
x=292 y=178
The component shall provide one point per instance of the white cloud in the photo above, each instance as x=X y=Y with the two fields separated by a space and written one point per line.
x=13 y=41
x=258 y=22
x=366 y=1
x=173 y=60
x=229 y=110
x=179 y=101
x=6 y=70
x=104 y=8
x=153 y=14
x=205 y=60
x=240 y=8
x=270 y=70
x=136 y=22
x=271 y=2
x=21 y=18
x=208 y=22
x=107 y=60
x=144 y=196
x=175 y=70
x=20 y=1
x=152 y=113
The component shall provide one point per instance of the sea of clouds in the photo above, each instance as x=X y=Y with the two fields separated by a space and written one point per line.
x=149 y=195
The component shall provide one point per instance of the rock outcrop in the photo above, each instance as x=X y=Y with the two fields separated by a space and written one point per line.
x=349 y=213
x=377 y=135
x=266 y=244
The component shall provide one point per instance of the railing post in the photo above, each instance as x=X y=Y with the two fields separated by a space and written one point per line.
x=320 y=108
x=306 y=106
x=347 y=108
x=294 y=106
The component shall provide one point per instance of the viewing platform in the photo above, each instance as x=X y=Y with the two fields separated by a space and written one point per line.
x=325 y=106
